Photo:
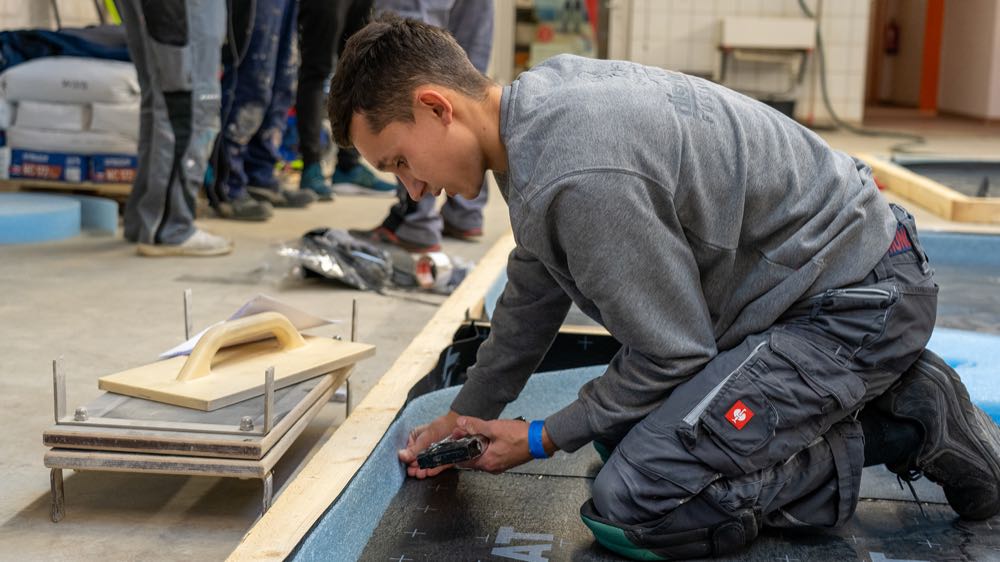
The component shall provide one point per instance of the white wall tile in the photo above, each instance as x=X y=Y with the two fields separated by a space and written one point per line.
x=684 y=6
x=748 y=7
x=837 y=57
x=705 y=7
x=725 y=7
x=683 y=35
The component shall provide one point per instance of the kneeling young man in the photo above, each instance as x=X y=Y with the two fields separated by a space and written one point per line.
x=772 y=307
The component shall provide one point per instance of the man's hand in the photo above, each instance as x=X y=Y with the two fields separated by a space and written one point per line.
x=422 y=437
x=508 y=443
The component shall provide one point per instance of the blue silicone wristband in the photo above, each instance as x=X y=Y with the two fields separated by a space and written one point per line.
x=535 y=439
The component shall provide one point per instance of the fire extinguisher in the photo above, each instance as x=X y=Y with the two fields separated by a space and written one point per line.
x=891 y=42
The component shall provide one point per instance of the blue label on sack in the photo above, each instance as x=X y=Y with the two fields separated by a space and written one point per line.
x=54 y=166
x=113 y=168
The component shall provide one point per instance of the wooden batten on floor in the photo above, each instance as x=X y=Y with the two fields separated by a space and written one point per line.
x=940 y=200
x=328 y=472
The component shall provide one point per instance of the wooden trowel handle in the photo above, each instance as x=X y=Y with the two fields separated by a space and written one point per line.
x=199 y=363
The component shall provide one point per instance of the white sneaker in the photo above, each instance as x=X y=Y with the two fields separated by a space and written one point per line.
x=201 y=243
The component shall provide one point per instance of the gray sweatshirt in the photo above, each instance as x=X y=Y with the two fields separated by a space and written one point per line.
x=678 y=214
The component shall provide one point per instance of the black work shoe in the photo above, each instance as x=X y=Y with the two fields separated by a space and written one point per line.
x=283 y=198
x=961 y=443
x=245 y=209
x=382 y=235
x=298 y=198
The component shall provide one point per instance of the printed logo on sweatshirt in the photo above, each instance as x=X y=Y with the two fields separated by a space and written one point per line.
x=739 y=415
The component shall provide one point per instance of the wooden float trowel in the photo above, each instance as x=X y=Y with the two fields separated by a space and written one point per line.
x=221 y=370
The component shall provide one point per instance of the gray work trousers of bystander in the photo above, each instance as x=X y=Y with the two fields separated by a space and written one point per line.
x=176 y=48
x=766 y=434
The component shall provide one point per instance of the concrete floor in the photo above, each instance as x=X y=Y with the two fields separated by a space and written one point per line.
x=93 y=302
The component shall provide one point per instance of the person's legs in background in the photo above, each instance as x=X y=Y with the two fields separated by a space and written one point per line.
x=247 y=81
x=318 y=33
x=136 y=38
x=417 y=226
x=350 y=176
x=318 y=47
x=262 y=155
x=178 y=65
x=472 y=25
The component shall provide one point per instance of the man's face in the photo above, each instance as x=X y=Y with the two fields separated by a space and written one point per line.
x=434 y=154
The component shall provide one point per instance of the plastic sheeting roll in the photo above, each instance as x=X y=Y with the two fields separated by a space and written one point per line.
x=433 y=270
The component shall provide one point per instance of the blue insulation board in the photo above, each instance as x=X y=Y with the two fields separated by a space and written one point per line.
x=976 y=357
x=31 y=217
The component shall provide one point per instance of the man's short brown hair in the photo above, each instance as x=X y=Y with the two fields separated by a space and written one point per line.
x=384 y=62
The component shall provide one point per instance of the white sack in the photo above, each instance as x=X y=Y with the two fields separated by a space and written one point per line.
x=67 y=142
x=6 y=114
x=121 y=118
x=4 y=162
x=48 y=115
x=71 y=80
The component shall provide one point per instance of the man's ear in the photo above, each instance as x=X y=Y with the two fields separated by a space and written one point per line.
x=435 y=101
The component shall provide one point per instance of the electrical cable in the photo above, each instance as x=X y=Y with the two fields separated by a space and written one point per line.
x=911 y=139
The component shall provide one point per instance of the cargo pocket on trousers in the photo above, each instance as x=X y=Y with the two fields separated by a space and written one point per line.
x=741 y=420
x=824 y=374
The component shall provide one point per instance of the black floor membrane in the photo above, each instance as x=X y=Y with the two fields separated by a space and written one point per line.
x=533 y=515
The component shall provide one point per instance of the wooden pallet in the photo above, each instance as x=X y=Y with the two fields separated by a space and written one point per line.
x=113 y=190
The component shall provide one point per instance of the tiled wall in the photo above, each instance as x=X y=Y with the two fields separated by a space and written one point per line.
x=21 y=14
x=684 y=35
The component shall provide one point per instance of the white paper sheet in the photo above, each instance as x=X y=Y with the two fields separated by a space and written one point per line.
x=301 y=319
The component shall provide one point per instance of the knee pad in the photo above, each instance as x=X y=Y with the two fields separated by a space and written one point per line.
x=651 y=542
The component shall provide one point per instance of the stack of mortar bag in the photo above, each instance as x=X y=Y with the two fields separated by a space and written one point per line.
x=71 y=119
x=5 y=121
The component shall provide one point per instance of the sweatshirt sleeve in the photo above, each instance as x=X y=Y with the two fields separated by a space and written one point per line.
x=524 y=325
x=627 y=252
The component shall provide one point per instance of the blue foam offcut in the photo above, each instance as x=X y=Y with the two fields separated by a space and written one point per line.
x=97 y=214
x=976 y=357
x=31 y=217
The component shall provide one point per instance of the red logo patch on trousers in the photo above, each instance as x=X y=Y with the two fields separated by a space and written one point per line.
x=739 y=415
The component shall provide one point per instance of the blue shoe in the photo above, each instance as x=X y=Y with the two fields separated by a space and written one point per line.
x=313 y=180
x=361 y=181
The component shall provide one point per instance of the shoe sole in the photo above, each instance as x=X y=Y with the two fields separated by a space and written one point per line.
x=320 y=196
x=379 y=238
x=459 y=236
x=262 y=194
x=944 y=466
x=351 y=189
x=165 y=250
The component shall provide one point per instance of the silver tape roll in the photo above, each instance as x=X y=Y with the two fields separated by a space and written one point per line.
x=433 y=270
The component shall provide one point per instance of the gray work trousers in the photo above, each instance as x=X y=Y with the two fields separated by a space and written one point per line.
x=176 y=48
x=471 y=23
x=766 y=432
